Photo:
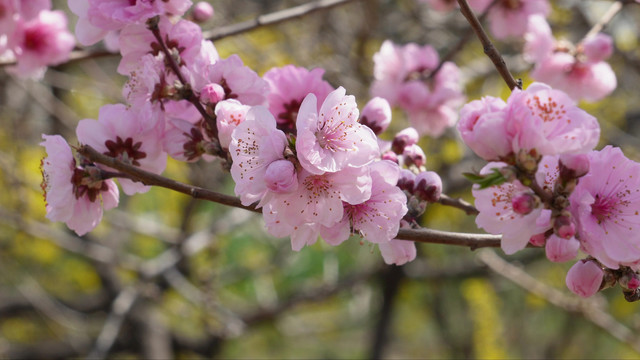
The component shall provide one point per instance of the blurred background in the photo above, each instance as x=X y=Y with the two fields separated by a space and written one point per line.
x=167 y=276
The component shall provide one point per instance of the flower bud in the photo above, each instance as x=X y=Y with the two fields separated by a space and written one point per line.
x=629 y=280
x=202 y=11
x=404 y=138
x=281 y=177
x=406 y=180
x=376 y=115
x=525 y=203
x=391 y=156
x=564 y=226
x=528 y=160
x=573 y=166
x=212 y=93
x=598 y=48
x=482 y=127
x=428 y=186
x=561 y=250
x=538 y=240
x=413 y=155
x=584 y=278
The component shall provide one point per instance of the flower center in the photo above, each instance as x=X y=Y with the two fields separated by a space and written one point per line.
x=287 y=119
x=125 y=150
x=85 y=184
x=603 y=208
x=512 y=4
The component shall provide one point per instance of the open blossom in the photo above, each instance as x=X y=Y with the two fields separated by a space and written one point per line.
x=98 y=17
x=482 y=127
x=398 y=252
x=182 y=38
x=331 y=139
x=378 y=218
x=130 y=135
x=229 y=114
x=548 y=121
x=41 y=41
x=579 y=71
x=508 y=18
x=606 y=206
x=289 y=85
x=255 y=144
x=72 y=194
x=402 y=76
x=497 y=215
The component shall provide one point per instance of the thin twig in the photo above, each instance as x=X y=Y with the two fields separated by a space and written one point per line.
x=489 y=49
x=228 y=30
x=605 y=19
x=473 y=241
x=458 y=203
x=588 y=308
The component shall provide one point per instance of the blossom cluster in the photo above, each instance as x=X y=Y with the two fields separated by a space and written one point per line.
x=34 y=36
x=550 y=189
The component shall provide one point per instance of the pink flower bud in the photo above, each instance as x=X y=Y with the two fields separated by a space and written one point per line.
x=629 y=280
x=633 y=283
x=413 y=155
x=212 y=93
x=538 y=240
x=561 y=250
x=404 y=138
x=584 y=278
x=406 y=180
x=281 y=177
x=598 y=48
x=573 y=166
x=391 y=156
x=428 y=186
x=376 y=115
x=482 y=127
x=564 y=226
x=525 y=203
x=202 y=11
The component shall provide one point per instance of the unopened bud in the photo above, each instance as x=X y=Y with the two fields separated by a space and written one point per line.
x=538 y=240
x=280 y=177
x=525 y=203
x=528 y=160
x=428 y=186
x=573 y=166
x=629 y=280
x=406 y=180
x=584 y=278
x=202 y=11
x=561 y=250
x=212 y=93
x=404 y=138
x=564 y=226
x=598 y=48
x=413 y=155
x=376 y=115
x=391 y=156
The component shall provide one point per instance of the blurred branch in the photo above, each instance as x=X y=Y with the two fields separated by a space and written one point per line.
x=121 y=307
x=588 y=308
x=489 y=49
x=229 y=30
x=605 y=19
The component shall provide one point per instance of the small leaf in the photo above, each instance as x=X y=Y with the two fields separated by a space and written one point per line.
x=494 y=178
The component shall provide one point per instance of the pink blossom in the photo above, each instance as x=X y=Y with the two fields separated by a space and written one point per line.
x=560 y=250
x=548 y=121
x=598 y=47
x=72 y=194
x=331 y=139
x=238 y=81
x=255 y=143
x=289 y=85
x=98 y=17
x=497 y=215
x=404 y=138
x=376 y=115
x=605 y=205
x=130 y=135
x=398 y=252
x=584 y=278
x=483 y=128
x=402 y=76
x=378 y=218
x=509 y=18
x=183 y=40
x=428 y=186
x=539 y=40
x=229 y=114
x=202 y=11
x=40 y=42
x=318 y=198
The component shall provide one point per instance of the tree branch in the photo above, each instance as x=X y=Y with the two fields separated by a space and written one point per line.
x=489 y=49
x=605 y=19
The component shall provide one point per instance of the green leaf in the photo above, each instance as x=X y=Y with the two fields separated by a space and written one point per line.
x=492 y=179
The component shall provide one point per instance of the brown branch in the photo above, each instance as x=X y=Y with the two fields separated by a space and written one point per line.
x=458 y=203
x=148 y=178
x=222 y=32
x=473 y=241
x=489 y=49
x=605 y=19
